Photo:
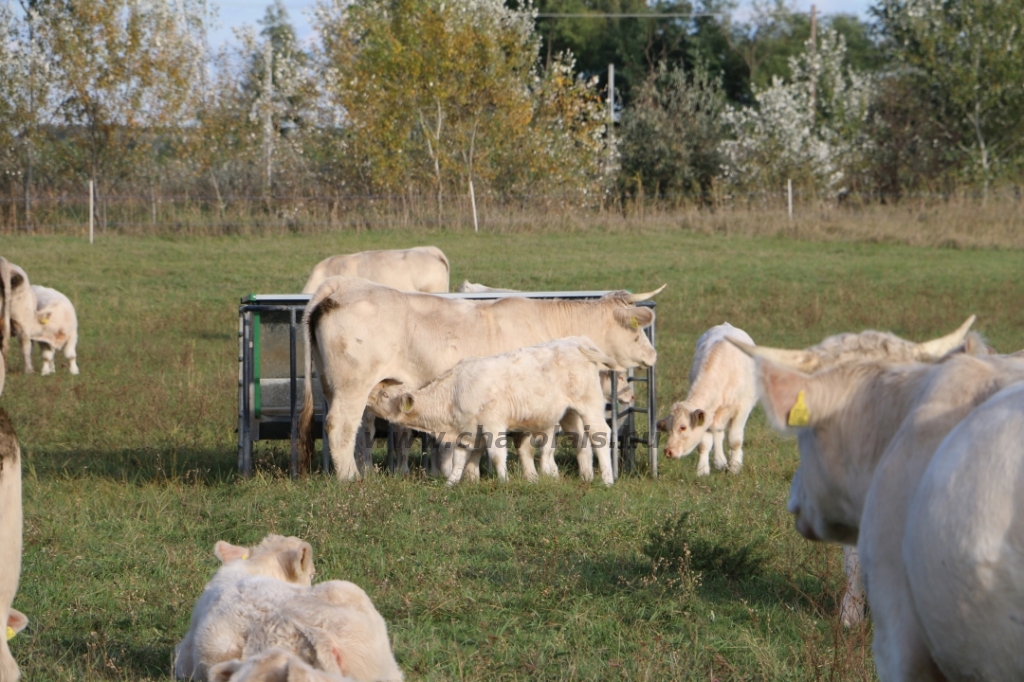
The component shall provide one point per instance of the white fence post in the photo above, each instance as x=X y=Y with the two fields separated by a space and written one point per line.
x=789 y=193
x=91 y=212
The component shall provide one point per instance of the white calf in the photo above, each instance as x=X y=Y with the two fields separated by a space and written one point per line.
x=481 y=401
x=272 y=665
x=57 y=328
x=275 y=570
x=722 y=394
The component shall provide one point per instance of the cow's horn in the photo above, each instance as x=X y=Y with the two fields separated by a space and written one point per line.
x=794 y=359
x=936 y=348
x=636 y=298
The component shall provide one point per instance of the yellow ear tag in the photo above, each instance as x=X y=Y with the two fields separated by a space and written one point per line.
x=10 y=633
x=799 y=415
x=634 y=323
x=244 y=557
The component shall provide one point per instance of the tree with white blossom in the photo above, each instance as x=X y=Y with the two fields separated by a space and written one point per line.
x=809 y=129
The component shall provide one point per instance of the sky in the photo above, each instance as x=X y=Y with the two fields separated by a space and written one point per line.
x=235 y=13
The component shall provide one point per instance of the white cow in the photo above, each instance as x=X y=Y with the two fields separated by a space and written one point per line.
x=964 y=544
x=276 y=569
x=272 y=665
x=484 y=400
x=867 y=432
x=360 y=334
x=10 y=540
x=421 y=268
x=468 y=287
x=19 y=311
x=56 y=328
x=722 y=394
x=849 y=348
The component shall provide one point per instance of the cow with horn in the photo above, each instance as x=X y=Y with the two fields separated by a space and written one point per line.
x=360 y=334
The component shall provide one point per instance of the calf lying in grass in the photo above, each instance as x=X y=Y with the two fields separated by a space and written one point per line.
x=273 y=665
x=481 y=401
x=262 y=598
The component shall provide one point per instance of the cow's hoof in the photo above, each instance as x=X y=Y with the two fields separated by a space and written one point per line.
x=703 y=471
x=74 y=369
x=46 y=371
x=735 y=467
x=721 y=464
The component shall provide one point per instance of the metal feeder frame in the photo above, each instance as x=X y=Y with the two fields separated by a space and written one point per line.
x=254 y=425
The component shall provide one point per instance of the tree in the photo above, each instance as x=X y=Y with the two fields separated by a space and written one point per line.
x=969 y=56
x=122 y=69
x=670 y=135
x=809 y=129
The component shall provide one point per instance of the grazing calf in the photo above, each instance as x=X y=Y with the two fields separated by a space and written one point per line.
x=56 y=328
x=722 y=394
x=480 y=401
x=10 y=541
x=272 y=665
x=274 y=570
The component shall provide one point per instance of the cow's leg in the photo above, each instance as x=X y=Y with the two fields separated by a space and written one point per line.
x=459 y=458
x=547 y=454
x=70 y=352
x=524 y=448
x=403 y=441
x=718 y=454
x=851 y=612
x=364 y=442
x=26 y=351
x=46 y=353
x=497 y=452
x=344 y=417
x=599 y=443
x=736 y=428
x=703 y=448
x=472 y=472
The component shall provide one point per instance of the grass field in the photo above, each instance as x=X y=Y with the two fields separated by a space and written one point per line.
x=129 y=467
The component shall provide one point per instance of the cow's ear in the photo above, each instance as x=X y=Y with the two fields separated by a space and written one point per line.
x=227 y=552
x=697 y=418
x=784 y=395
x=16 y=622
x=407 y=403
x=633 y=318
x=223 y=671
x=298 y=563
x=663 y=424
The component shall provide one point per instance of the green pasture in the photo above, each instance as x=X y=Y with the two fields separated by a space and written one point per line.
x=130 y=467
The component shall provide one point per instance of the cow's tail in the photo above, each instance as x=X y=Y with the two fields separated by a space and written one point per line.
x=307 y=440
x=5 y=285
x=310 y=318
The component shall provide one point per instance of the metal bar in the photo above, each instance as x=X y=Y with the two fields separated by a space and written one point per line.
x=392 y=456
x=652 y=414
x=245 y=435
x=613 y=440
x=292 y=386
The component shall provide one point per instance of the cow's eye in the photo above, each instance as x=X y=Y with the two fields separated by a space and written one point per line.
x=682 y=427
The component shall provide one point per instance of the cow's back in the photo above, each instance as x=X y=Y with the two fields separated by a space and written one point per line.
x=964 y=544
x=10 y=533
x=422 y=268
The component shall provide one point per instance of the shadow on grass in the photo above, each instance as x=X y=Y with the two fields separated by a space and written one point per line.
x=195 y=467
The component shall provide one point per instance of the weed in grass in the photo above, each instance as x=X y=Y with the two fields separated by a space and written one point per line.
x=679 y=544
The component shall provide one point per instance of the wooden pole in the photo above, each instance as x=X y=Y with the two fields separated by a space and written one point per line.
x=90 y=211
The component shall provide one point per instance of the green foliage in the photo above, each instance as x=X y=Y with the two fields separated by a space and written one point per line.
x=679 y=543
x=969 y=58
x=669 y=136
